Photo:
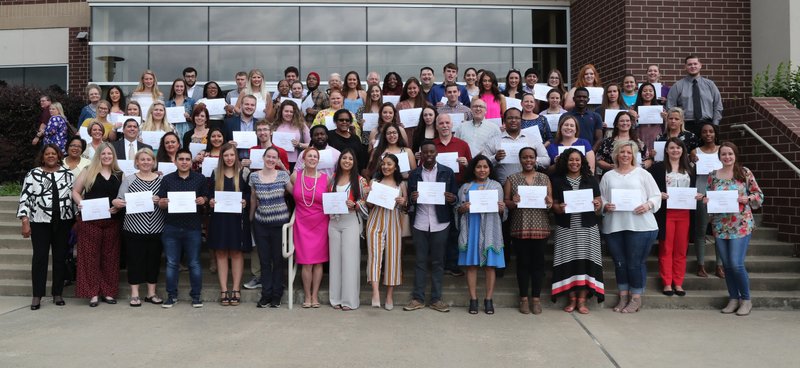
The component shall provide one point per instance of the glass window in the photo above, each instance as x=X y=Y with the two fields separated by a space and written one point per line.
x=13 y=76
x=119 y=24
x=541 y=59
x=332 y=59
x=496 y=59
x=226 y=61
x=178 y=24
x=333 y=24
x=484 y=25
x=37 y=76
x=107 y=66
x=523 y=29
x=254 y=24
x=407 y=60
x=549 y=26
x=411 y=24
x=168 y=62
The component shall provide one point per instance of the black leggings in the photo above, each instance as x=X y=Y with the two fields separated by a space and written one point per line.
x=530 y=265
x=144 y=257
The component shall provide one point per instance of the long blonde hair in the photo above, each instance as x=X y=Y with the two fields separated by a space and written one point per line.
x=95 y=166
x=219 y=172
x=140 y=88
x=262 y=92
x=149 y=124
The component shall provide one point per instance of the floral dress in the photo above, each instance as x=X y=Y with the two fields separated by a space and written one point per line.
x=741 y=224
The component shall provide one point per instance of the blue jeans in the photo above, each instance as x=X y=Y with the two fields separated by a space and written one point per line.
x=732 y=252
x=178 y=240
x=429 y=246
x=629 y=249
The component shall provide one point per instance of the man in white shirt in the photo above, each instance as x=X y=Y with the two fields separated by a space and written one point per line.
x=514 y=138
x=127 y=147
x=477 y=132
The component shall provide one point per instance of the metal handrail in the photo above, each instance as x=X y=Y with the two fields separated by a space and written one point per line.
x=769 y=147
x=287 y=240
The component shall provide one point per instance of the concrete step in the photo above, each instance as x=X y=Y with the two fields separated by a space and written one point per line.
x=9 y=215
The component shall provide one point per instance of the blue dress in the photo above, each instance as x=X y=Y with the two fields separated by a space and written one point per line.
x=353 y=105
x=477 y=253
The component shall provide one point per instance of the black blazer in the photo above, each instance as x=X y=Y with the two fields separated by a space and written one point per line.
x=122 y=150
x=560 y=185
x=659 y=172
x=444 y=174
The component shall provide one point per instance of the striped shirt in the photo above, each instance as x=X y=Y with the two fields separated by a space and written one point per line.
x=271 y=209
x=145 y=222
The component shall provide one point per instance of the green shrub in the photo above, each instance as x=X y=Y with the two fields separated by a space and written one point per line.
x=784 y=83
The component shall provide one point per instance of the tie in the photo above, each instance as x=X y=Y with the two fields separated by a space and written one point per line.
x=697 y=104
x=131 y=152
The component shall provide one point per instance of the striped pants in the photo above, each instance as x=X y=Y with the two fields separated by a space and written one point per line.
x=383 y=227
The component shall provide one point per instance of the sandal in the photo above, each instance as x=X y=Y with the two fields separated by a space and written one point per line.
x=154 y=299
x=236 y=297
x=337 y=307
x=582 y=308
x=571 y=306
x=135 y=301
x=473 y=306
x=224 y=298
x=346 y=308
x=306 y=305
x=633 y=306
x=623 y=301
x=488 y=306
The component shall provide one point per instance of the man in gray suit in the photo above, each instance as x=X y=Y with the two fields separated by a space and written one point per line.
x=128 y=146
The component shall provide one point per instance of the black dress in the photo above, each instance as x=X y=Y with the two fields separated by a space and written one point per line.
x=230 y=231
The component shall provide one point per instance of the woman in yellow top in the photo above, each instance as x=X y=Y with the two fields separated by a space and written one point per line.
x=336 y=100
x=103 y=109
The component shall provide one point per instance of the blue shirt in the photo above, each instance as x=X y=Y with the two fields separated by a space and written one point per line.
x=438 y=91
x=588 y=122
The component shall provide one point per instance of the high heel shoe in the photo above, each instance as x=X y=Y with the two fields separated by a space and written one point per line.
x=720 y=272
x=36 y=303
x=488 y=306
x=473 y=306
x=623 y=301
x=59 y=300
x=633 y=305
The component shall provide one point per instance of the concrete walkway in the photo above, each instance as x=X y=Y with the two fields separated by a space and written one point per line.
x=244 y=336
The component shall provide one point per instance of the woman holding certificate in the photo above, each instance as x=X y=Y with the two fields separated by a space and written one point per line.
x=733 y=230
x=675 y=128
x=388 y=115
x=647 y=99
x=291 y=121
x=179 y=98
x=98 y=248
x=391 y=142
x=310 y=225
x=529 y=228
x=372 y=105
x=168 y=147
x=706 y=152
x=142 y=227
x=147 y=88
x=256 y=87
x=480 y=239
x=156 y=120
x=211 y=91
x=623 y=131
x=200 y=131
x=383 y=229
x=577 y=261
x=568 y=135
x=630 y=198
x=96 y=134
x=229 y=230
x=587 y=77
x=214 y=143
x=344 y=231
x=531 y=119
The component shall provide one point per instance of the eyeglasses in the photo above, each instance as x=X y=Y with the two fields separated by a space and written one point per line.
x=479 y=107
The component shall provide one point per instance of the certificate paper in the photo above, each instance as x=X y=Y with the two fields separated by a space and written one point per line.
x=127 y=167
x=449 y=159
x=626 y=199
x=707 y=162
x=410 y=117
x=181 y=202
x=370 y=121
x=532 y=196
x=227 y=202
x=552 y=121
x=334 y=203
x=659 y=147
x=650 y=114
x=95 y=209
x=216 y=106
x=611 y=114
x=561 y=149
x=578 y=201
x=402 y=160
x=430 y=192
x=260 y=106
x=456 y=119
x=326 y=160
x=139 y=202
x=209 y=164
x=533 y=132
x=283 y=140
x=383 y=195
x=152 y=138
x=329 y=123
x=723 y=201
x=257 y=158
x=84 y=133
x=513 y=102
x=175 y=114
x=595 y=95
x=512 y=152
x=167 y=168
x=245 y=139
x=297 y=101
x=483 y=201
x=681 y=198
x=196 y=148
x=540 y=91
x=391 y=99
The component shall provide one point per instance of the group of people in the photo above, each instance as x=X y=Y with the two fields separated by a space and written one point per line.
x=465 y=170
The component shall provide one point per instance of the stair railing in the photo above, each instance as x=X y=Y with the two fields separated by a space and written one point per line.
x=287 y=239
x=744 y=128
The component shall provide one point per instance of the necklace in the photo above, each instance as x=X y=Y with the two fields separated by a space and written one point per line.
x=311 y=189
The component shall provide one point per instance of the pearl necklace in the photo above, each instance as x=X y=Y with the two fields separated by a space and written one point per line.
x=312 y=189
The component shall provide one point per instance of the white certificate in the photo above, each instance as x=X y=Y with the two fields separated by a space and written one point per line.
x=115 y=117
x=283 y=140
x=297 y=101
x=257 y=158
x=209 y=164
x=260 y=106
x=196 y=148
x=121 y=119
x=383 y=195
x=656 y=86
x=650 y=114
x=216 y=106
x=391 y=99
x=227 y=202
x=532 y=196
x=139 y=202
x=456 y=119
x=329 y=123
x=707 y=162
x=127 y=167
x=370 y=121
x=513 y=102
x=611 y=114
x=681 y=198
x=552 y=121
x=152 y=138
x=410 y=117
x=245 y=139
x=167 y=168
x=176 y=114
x=534 y=132
x=430 y=192
x=443 y=100
x=626 y=199
x=578 y=201
x=234 y=100
x=182 y=202
x=512 y=151
x=595 y=95
x=449 y=159
x=659 y=147
x=145 y=101
x=723 y=201
x=334 y=203
x=84 y=133
x=540 y=91
x=326 y=160
x=561 y=149
x=483 y=201
x=402 y=162
x=95 y=209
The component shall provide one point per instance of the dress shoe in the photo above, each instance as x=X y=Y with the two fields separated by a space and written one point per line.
x=36 y=303
x=720 y=272
x=109 y=300
x=94 y=302
x=59 y=301
x=701 y=271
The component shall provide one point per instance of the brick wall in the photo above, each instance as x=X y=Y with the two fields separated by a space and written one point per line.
x=597 y=37
x=778 y=122
x=79 y=62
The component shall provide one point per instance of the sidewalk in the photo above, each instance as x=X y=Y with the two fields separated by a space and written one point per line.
x=244 y=336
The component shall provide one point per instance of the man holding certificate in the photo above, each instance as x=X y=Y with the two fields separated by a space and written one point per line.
x=504 y=149
x=245 y=122
x=432 y=195
x=182 y=226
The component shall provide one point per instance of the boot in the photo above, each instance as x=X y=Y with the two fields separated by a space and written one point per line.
x=733 y=304
x=701 y=271
x=744 y=308
x=720 y=272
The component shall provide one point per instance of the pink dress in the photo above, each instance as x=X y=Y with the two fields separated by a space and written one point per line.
x=310 y=223
x=492 y=107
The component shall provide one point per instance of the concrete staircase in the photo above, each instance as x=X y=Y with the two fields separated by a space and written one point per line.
x=774 y=276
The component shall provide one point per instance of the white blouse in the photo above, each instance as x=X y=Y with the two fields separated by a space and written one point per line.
x=638 y=179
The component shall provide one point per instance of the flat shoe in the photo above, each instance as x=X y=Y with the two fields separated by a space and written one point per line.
x=154 y=299
x=135 y=302
x=109 y=300
x=306 y=305
x=680 y=292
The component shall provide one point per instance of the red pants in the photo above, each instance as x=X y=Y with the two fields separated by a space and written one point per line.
x=672 y=250
x=98 y=258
